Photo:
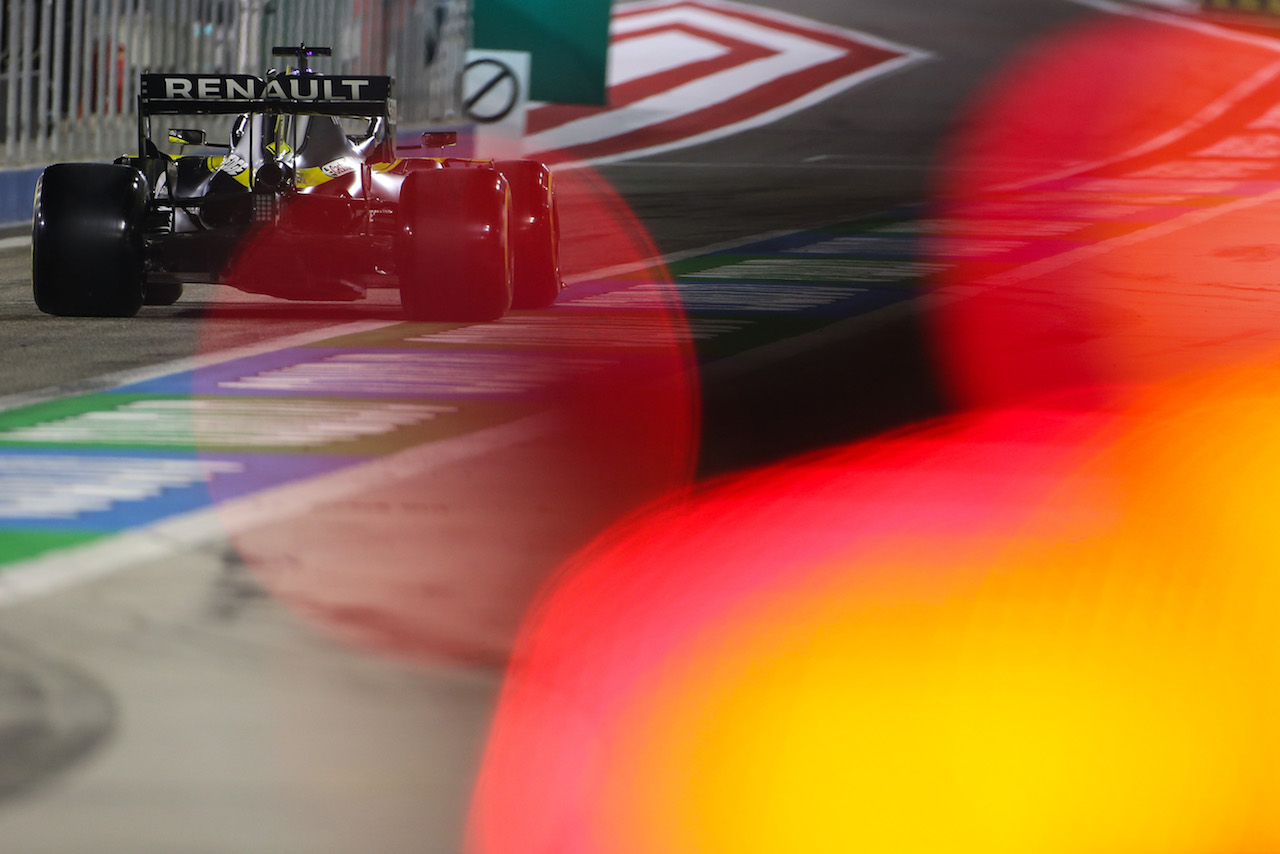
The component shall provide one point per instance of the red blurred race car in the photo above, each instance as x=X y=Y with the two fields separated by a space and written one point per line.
x=309 y=201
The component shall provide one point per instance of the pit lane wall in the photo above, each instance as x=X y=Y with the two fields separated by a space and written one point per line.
x=69 y=69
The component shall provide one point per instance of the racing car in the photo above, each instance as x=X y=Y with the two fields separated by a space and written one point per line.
x=308 y=200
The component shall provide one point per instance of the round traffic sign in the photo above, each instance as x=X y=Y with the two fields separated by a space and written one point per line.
x=490 y=90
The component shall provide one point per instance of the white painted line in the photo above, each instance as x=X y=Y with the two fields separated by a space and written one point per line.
x=1114 y=8
x=1212 y=111
x=178 y=366
x=731 y=297
x=991 y=228
x=1270 y=120
x=599 y=335
x=228 y=422
x=1057 y=262
x=642 y=56
x=1264 y=146
x=808 y=271
x=421 y=374
x=62 y=485
x=1110 y=188
x=820 y=162
x=1234 y=170
x=15 y=242
x=794 y=20
x=675 y=257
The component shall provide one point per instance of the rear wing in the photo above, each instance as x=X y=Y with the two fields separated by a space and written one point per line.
x=228 y=94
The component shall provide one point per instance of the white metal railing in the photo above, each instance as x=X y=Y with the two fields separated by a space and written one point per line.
x=69 y=68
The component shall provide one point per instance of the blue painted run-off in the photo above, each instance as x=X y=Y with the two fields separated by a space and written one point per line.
x=17 y=191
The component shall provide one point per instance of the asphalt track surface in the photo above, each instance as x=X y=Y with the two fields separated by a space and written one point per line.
x=175 y=706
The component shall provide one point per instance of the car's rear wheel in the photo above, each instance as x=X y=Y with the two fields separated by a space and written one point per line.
x=162 y=293
x=453 y=252
x=535 y=233
x=87 y=240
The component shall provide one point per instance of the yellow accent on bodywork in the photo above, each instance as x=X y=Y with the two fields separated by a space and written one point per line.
x=218 y=163
x=315 y=176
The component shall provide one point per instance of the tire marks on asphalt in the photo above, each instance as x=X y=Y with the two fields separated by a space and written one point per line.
x=51 y=717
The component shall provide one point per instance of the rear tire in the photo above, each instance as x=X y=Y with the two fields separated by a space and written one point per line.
x=535 y=233
x=87 y=257
x=161 y=293
x=453 y=252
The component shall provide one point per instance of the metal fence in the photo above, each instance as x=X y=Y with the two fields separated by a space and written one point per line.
x=69 y=68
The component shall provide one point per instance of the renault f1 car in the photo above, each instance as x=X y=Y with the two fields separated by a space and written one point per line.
x=308 y=200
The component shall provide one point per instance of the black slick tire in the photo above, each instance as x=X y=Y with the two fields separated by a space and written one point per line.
x=535 y=233
x=453 y=252
x=161 y=293
x=87 y=255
